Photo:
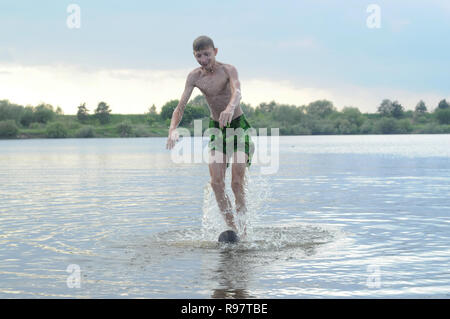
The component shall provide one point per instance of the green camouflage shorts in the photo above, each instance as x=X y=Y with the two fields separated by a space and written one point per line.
x=231 y=142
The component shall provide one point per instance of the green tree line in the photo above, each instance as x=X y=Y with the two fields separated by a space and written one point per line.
x=318 y=117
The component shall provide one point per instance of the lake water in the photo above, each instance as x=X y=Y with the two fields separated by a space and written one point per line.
x=342 y=216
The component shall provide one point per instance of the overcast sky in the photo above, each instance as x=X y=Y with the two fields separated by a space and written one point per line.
x=132 y=54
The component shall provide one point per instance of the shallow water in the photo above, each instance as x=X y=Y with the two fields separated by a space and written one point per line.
x=343 y=216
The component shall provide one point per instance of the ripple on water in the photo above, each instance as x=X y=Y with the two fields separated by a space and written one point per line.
x=262 y=238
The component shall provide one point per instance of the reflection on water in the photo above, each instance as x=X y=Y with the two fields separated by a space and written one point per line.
x=139 y=225
x=232 y=275
x=236 y=265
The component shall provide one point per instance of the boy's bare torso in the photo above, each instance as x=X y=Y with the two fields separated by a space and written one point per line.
x=216 y=88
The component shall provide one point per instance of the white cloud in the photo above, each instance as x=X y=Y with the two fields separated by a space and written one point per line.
x=130 y=91
x=126 y=91
x=256 y=91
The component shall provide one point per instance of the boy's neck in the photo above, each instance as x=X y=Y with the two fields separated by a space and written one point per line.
x=212 y=69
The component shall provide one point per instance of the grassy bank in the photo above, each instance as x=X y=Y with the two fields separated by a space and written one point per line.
x=316 y=118
x=67 y=126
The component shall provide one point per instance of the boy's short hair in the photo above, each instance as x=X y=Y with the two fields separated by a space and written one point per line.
x=203 y=42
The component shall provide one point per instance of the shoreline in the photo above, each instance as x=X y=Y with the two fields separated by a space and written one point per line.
x=35 y=137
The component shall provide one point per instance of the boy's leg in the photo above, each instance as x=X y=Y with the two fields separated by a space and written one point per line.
x=217 y=170
x=238 y=183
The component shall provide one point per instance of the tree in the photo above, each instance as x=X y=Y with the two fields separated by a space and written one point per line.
x=443 y=116
x=397 y=110
x=43 y=113
x=167 y=109
x=199 y=100
x=353 y=115
x=152 y=115
x=152 y=109
x=385 y=107
x=193 y=112
x=10 y=111
x=83 y=113
x=8 y=129
x=389 y=108
x=287 y=114
x=421 y=108
x=267 y=108
x=321 y=108
x=102 y=112
x=443 y=104
x=247 y=109
x=27 y=116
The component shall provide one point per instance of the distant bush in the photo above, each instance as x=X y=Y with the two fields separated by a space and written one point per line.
x=8 y=129
x=43 y=113
x=367 y=127
x=321 y=127
x=125 y=129
x=85 y=132
x=36 y=125
x=73 y=125
x=27 y=116
x=420 y=118
x=432 y=128
x=344 y=126
x=386 y=125
x=152 y=118
x=404 y=126
x=443 y=115
x=10 y=111
x=141 y=131
x=56 y=130
x=301 y=130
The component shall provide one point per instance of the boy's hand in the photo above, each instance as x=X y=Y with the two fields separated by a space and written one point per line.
x=225 y=118
x=172 y=139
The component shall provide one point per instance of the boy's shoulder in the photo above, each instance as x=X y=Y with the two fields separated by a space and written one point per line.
x=197 y=73
x=194 y=75
x=226 y=66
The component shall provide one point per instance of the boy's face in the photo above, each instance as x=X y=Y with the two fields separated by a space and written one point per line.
x=206 y=57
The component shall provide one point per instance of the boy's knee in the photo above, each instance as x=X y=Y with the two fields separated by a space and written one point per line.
x=237 y=185
x=217 y=184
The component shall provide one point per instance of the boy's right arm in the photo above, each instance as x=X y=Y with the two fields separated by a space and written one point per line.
x=179 y=110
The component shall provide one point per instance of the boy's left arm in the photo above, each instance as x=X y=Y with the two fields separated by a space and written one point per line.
x=227 y=115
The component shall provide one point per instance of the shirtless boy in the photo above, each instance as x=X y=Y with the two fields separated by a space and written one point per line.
x=220 y=85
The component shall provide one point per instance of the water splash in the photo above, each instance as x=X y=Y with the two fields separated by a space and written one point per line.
x=300 y=237
x=257 y=192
